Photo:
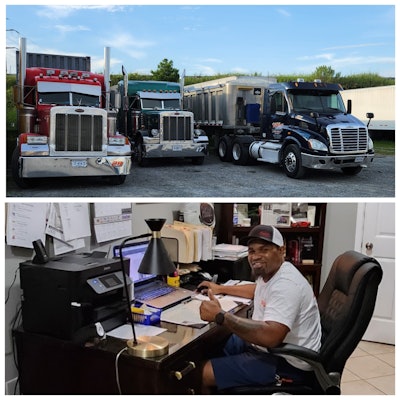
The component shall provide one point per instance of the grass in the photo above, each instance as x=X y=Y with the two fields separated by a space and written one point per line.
x=384 y=147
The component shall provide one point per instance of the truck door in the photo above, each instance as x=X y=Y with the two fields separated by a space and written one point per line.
x=279 y=109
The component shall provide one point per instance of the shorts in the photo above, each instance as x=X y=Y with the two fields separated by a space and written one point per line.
x=243 y=365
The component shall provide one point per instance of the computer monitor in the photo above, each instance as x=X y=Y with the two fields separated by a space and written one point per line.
x=135 y=253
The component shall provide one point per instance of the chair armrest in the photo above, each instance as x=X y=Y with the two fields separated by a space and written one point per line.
x=330 y=382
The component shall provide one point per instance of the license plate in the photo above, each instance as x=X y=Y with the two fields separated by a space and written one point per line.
x=177 y=147
x=78 y=163
x=359 y=159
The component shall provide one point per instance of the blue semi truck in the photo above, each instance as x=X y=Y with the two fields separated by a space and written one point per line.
x=298 y=125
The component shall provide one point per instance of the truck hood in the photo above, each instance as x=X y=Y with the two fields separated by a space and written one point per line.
x=327 y=119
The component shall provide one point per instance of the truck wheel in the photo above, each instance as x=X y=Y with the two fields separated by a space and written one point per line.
x=225 y=148
x=197 y=160
x=139 y=153
x=240 y=153
x=352 y=170
x=292 y=162
x=23 y=183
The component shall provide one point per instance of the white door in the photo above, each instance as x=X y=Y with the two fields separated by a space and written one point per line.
x=376 y=227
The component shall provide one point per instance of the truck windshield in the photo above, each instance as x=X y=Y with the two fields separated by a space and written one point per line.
x=172 y=104
x=160 y=104
x=79 y=99
x=324 y=102
x=69 y=99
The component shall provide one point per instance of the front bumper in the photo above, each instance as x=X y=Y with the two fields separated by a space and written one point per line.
x=46 y=167
x=336 y=162
x=175 y=150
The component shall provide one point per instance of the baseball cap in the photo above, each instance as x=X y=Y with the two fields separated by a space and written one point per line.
x=264 y=232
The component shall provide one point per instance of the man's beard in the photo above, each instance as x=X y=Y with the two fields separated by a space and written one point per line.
x=257 y=273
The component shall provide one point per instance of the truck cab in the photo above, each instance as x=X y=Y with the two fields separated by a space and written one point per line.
x=66 y=126
x=306 y=125
x=153 y=119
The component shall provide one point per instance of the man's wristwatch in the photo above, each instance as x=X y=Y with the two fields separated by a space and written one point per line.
x=220 y=317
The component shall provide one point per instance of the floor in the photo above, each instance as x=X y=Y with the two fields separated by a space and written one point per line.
x=370 y=370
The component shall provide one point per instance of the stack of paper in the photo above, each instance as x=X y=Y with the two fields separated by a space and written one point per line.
x=231 y=252
x=189 y=313
x=194 y=241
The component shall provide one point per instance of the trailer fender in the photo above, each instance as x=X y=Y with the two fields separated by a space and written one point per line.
x=240 y=149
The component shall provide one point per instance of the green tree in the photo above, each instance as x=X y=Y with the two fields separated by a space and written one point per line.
x=325 y=73
x=166 y=72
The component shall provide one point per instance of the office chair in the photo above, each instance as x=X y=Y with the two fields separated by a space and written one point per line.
x=346 y=304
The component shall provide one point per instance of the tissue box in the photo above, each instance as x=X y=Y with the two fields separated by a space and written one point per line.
x=145 y=315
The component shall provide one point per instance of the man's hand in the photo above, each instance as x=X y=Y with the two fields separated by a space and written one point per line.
x=205 y=285
x=210 y=308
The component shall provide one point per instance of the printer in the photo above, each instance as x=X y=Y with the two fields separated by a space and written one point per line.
x=69 y=295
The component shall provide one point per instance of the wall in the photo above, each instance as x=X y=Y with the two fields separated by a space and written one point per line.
x=340 y=232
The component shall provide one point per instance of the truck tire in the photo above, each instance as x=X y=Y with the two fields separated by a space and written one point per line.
x=352 y=170
x=292 y=162
x=23 y=183
x=240 y=152
x=225 y=149
x=139 y=154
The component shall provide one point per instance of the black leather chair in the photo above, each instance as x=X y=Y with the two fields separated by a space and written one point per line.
x=346 y=304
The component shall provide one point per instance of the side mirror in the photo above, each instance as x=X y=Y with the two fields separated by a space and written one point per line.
x=369 y=116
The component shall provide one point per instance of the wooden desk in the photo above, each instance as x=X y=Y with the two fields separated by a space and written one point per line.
x=49 y=365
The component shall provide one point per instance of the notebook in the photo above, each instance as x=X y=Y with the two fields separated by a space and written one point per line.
x=148 y=288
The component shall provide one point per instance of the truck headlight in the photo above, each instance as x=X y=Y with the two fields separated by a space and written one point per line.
x=117 y=140
x=198 y=132
x=370 y=144
x=315 y=144
x=36 y=139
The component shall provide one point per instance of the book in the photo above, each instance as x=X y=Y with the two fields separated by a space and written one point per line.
x=307 y=250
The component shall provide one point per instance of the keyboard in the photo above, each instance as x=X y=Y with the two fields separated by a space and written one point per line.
x=153 y=294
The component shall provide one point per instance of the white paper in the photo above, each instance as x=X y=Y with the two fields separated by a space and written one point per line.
x=61 y=247
x=125 y=331
x=112 y=221
x=54 y=226
x=26 y=222
x=75 y=220
x=189 y=313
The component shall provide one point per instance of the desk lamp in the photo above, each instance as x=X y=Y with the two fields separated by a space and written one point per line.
x=155 y=261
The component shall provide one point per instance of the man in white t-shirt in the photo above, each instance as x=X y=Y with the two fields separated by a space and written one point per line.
x=285 y=310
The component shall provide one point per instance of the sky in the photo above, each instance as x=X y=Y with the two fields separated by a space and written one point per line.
x=267 y=39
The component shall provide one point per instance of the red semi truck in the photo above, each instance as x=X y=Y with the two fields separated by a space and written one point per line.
x=66 y=125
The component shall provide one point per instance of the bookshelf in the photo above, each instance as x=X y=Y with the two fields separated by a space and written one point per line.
x=227 y=232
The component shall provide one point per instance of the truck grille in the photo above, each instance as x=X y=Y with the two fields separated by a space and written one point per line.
x=177 y=127
x=78 y=132
x=348 y=140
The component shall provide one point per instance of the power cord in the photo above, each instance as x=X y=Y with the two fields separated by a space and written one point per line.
x=12 y=284
x=116 y=369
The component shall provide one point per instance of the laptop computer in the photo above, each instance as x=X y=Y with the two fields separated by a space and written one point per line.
x=148 y=288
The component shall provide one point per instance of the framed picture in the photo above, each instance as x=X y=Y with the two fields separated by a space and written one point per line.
x=276 y=214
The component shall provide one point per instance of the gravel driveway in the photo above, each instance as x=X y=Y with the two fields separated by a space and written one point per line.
x=213 y=179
